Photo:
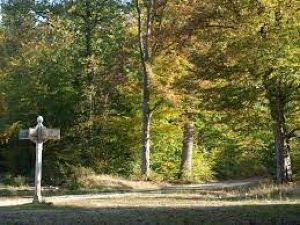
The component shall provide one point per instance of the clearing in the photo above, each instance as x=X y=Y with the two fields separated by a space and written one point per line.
x=236 y=202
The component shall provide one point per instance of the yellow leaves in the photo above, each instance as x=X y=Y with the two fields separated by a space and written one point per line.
x=8 y=133
x=231 y=61
x=206 y=84
x=14 y=62
x=166 y=70
x=164 y=91
x=171 y=66
x=33 y=50
x=166 y=112
x=250 y=141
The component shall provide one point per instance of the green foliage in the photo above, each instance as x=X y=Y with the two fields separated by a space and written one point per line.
x=296 y=162
x=202 y=167
x=18 y=181
x=77 y=64
x=165 y=149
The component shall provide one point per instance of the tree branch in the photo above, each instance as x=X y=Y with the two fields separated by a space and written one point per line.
x=140 y=33
x=156 y=105
x=148 y=29
x=292 y=134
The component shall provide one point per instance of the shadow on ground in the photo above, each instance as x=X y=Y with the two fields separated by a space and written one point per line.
x=283 y=214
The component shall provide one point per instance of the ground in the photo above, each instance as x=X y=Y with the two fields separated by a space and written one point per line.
x=242 y=202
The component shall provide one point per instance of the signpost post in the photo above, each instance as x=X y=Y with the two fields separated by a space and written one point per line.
x=39 y=135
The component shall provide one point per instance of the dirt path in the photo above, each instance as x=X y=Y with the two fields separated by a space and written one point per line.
x=216 y=185
x=13 y=201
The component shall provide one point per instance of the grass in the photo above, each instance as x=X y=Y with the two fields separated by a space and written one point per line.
x=96 y=181
x=278 y=214
x=87 y=184
x=42 y=205
x=254 y=204
x=97 y=184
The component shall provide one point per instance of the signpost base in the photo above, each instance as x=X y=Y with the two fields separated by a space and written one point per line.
x=37 y=199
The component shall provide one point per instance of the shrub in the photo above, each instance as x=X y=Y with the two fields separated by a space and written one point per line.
x=18 y=181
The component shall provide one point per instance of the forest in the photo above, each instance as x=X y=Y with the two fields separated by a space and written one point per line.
x=159 y=90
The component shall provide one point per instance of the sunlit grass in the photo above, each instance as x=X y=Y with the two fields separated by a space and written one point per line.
x=259 y=203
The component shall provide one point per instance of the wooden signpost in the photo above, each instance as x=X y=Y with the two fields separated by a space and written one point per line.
x=39 y=135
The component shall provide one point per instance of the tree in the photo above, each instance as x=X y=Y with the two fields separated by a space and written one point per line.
x=281 y=79
x=259 y=51
x=188 y=22
x=145 y=28
x=48 y=73
x=187 y=148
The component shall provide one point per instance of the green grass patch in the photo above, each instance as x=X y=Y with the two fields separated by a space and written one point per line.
x=42 y=205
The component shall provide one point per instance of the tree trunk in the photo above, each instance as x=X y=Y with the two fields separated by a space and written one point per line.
x=145 y=56
x=280 y=149
x=277 y=96
x=145 y=151
x=283 y=156
x=87 y=29
x=88 y=53
x=288 y=162
x=187 y=151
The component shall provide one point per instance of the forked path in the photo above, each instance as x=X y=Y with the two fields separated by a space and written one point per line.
x=14 y=201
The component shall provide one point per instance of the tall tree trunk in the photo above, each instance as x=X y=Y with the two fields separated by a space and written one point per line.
x=277 y=96
x=145 y=152
x=88 y=20
x=145 y=56
x=146 y=121
x=87 y=29
x=279 y=148
x=283 y=156
x=187 y=150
